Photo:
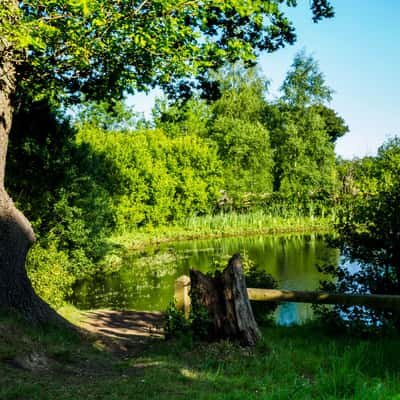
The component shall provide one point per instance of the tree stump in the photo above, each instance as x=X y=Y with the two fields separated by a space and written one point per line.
x=225 y=298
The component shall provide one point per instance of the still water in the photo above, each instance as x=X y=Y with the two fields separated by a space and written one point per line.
x=146 y=280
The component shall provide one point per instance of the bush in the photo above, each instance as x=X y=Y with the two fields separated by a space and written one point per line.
x=154 y=179
x=48 y=269
x=175 y=322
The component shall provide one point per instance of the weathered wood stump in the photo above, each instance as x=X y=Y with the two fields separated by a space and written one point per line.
x=225 y=298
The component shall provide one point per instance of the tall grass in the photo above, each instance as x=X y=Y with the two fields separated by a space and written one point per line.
x=257 y=221
x=224 y=224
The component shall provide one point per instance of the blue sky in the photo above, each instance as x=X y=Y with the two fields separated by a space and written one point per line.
x=359 y=53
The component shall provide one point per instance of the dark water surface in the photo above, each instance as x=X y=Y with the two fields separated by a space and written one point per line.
x=146 y=280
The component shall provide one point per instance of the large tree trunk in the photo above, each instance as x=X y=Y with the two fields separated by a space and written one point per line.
x=16 y=233
x=225 y=298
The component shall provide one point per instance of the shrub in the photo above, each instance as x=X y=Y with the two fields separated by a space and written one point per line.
x=48 y=269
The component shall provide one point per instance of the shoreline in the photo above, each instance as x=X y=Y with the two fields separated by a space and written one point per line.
x=138 y=241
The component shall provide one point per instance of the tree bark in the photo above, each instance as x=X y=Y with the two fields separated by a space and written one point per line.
x=225 y=298
x=16 y=233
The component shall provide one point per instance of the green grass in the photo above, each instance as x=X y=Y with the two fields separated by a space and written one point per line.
x=222 y=225
x=289 y=363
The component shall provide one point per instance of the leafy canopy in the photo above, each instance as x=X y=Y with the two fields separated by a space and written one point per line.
x=301 y=137
x=99 y=49
x=236 y=126
x=233 y=123
x=305 y=84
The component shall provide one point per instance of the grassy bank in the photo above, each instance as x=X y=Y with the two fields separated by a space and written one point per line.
x=289 y=363
x=222 y=225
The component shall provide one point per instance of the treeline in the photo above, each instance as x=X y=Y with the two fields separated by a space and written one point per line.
x=106 y=171
x=276 y=155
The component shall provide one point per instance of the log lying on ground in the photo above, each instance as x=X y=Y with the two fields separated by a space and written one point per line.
x=378 y=301
x=225 y=298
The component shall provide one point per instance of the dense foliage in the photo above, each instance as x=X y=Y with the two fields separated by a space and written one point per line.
x=95 y=182
x=102 y=49
x=61 y=53
x=67 y=204
x=110 y=172
x=236 y=125
x=304 y=156
x=369 y=232
x=153 y=179
x=277 y=155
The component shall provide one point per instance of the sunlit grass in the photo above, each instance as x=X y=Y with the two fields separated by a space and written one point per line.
x=289 y=363
x=71 y=314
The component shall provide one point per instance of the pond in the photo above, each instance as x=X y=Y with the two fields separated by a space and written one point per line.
x=146 y=280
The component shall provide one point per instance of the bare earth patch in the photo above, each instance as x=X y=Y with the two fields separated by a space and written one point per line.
x=124 y=331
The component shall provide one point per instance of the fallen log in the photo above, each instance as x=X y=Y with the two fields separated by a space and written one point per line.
x=224 y=297
x=378 y=301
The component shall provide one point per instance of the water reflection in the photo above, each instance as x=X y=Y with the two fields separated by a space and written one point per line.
x=146 y=280
x=289 y=314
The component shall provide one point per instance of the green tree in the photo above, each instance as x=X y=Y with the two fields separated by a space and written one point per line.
x=108 y=116
x=187 y=117
x=243 y=141
x=334 y=124
x=68 y=202
x=300 y=136
x=304 y=84
x=77 y=49
x=369 y=232
x=233 y=122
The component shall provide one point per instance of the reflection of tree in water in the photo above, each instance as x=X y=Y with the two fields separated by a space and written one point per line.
x=146 y=281
x=289 y=314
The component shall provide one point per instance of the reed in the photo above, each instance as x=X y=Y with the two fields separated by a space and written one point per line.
x=223 y=225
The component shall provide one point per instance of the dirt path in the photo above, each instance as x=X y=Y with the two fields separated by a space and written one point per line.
x=124 y=331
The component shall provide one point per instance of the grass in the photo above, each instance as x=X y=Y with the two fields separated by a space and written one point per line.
x=71 y=314
x=289 y=363
x=222 y=225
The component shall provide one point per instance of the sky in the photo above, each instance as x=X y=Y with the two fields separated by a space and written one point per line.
x=358 y=52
